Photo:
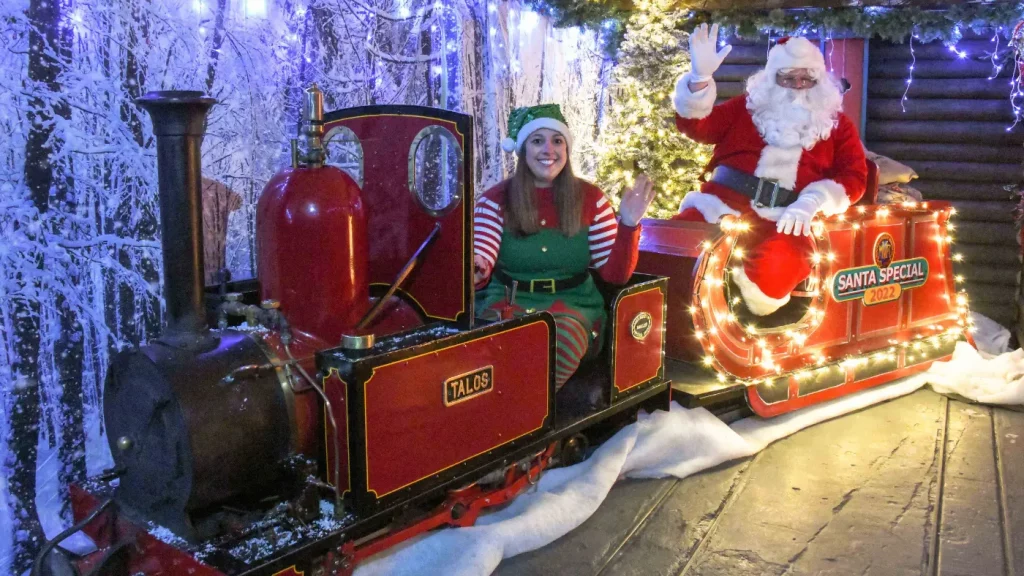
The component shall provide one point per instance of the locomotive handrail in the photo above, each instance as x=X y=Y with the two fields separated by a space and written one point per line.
x=334 y=427
x=403 y=274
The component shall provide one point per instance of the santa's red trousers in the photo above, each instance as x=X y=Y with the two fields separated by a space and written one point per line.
x=775 y=262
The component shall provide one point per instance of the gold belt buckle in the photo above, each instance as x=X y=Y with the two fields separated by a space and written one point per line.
x=550 y=284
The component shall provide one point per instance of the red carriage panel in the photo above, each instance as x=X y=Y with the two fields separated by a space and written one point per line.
x=398 y=221
x=932 y=300
x=876 y=318
x=637 y=337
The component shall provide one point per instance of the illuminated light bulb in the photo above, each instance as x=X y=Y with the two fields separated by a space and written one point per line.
x=861 y=209
x=705 y=245
x=856 y=226
x=713 y=331
x=816 y=258
x=961 y=299
x=958 y=257
x=751 y=329
x=736 y=300
x=708 y=360
x=719 y=316
x=721 y=377
x=762 y=343
x=831 y=257
x=738 y=252
x=950 y=226
x=699 y=334
x=959 y=278
x=693 y=310
x=883 y=212
x=952 y=211
x=713 y=259
x=731 y=317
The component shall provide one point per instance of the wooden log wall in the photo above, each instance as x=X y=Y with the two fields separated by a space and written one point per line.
x=953 y=132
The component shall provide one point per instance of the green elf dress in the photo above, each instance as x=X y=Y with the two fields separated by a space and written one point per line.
x=552 y=269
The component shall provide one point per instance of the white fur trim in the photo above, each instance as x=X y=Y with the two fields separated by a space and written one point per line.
x=694 y=105
x=797 y=52
x=709 y=205
x=834 y=199
x=538 y=123
x=777 y=164
x=757 y=301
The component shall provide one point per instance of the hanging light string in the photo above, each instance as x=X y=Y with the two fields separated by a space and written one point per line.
x=1015 y=77
x=910 y=77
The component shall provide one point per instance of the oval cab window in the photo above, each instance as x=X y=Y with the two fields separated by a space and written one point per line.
x=435 y=170
x=345 y=151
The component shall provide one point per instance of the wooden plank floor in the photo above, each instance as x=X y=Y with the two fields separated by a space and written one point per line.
x=919 y=485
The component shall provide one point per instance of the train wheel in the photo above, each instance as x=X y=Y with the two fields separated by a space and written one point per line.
x=574 y=449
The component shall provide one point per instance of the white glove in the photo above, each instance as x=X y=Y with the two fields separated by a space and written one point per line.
x=796 y=219
x=704 y=59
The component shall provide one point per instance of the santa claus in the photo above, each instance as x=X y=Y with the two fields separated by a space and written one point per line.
x=784 y=153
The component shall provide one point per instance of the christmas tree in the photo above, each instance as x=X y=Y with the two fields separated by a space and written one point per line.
x=641 y=135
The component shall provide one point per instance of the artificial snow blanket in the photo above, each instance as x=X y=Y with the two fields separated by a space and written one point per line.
x=677 y=444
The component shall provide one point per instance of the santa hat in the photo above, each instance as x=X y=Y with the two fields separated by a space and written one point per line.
x=525 y=121
x=795 y=52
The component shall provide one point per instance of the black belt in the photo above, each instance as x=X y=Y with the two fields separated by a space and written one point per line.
x=543 y=284
x=765 y=192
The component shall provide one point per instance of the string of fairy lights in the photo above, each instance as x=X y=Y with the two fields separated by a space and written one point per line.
x=771 y=345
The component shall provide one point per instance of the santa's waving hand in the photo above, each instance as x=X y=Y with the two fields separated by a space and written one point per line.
x=705 y=57
x=784 y=153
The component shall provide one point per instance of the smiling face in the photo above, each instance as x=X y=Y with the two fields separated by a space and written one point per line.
x=546 y=152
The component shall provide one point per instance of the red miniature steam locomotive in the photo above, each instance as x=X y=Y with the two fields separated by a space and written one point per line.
x=362 y=402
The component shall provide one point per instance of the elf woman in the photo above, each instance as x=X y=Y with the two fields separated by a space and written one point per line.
x=543 y=228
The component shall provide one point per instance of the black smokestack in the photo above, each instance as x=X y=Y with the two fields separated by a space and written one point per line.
x=179 y=118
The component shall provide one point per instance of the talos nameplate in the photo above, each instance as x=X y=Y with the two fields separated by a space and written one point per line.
x=471 y=384
x=883 y=281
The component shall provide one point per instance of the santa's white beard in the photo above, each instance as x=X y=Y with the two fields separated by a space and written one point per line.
x=785 y=117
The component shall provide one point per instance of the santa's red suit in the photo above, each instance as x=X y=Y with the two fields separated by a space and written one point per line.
x=820 y=155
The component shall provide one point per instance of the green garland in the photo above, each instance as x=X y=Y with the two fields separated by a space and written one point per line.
x=894 y=24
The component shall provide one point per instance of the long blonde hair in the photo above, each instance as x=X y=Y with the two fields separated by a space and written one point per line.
x=521 y=200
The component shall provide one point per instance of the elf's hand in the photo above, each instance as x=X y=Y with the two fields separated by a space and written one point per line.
x=481 y=269
x=635 y=202
x=797 y=217
x=705 y=57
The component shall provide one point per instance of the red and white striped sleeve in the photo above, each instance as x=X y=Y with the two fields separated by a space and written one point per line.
x=614 y=247
x=603 y=229
x=488 y=223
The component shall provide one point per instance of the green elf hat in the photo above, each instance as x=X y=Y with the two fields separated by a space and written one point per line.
x=525 y=121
